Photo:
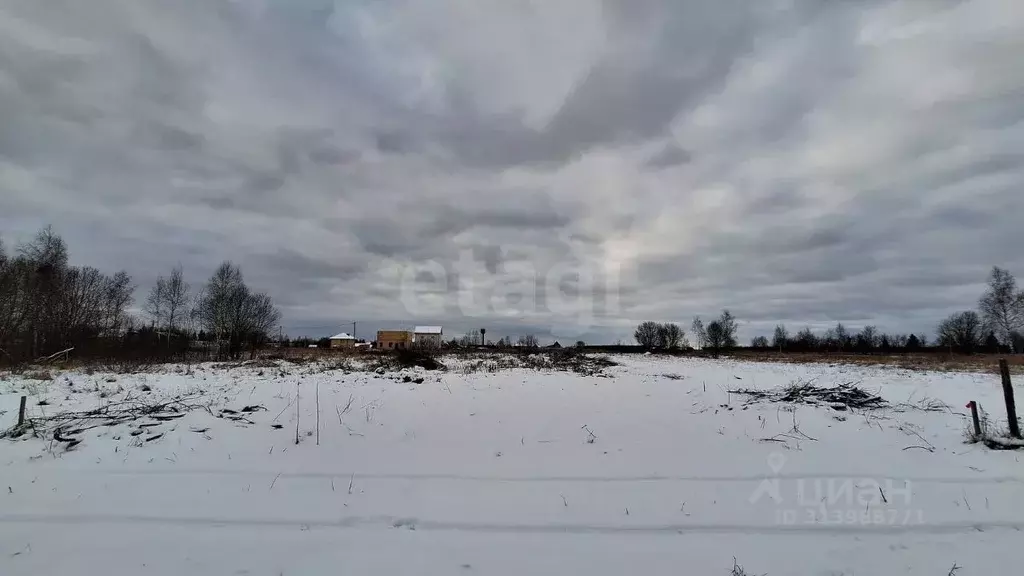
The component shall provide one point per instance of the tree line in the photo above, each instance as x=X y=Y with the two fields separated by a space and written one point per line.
x=996 y=326
x=718 y=335
x=48 y=306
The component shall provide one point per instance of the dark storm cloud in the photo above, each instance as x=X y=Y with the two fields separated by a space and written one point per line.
x=671 y=155
x=797 y=161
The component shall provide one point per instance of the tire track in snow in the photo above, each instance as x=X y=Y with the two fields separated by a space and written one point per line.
x=397 y=522
x=542 y=479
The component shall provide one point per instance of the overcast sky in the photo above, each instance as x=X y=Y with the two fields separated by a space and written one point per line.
x=563 y=167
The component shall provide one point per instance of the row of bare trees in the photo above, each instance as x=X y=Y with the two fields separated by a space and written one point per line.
x=475 y=338
x=997 y=326
x=839 y=339
x=48 y=306
x=666 y=336
x=718 y=335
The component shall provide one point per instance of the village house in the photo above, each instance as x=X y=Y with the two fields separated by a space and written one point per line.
x=427 y=337
x=343 y=340
x=394 y=339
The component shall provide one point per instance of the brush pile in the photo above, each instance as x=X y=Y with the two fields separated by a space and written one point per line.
x=64 y=426
x=840 y=397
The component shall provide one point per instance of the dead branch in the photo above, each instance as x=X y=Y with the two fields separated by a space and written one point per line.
x=46 y=359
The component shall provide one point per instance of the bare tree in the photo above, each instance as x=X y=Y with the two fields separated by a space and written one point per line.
x=471 y=338
x=673 y=336
x=1002 y=306
x=646 y=334
x=913 y=343
x=806 y=340
x=46 y=305
x=728 y=324
x=177 y=299
x=699 y=334
x=841 y=336
x=118 y=296
x=715 y=337
x=760 y=342
x=867 y=340
x=233 y=314
x=154 y=306
x=780 y=338
x=528 y=341
x=962 y=331
x=1018 y=340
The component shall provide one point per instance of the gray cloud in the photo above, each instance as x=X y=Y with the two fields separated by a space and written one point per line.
x=795 y=160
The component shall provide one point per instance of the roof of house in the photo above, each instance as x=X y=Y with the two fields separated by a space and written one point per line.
x=428 y=329
x=342 y=336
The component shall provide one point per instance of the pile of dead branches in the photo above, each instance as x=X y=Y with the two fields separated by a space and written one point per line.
x=570 y=360
x=63 y=426
x=404 y=359
x=841 y=397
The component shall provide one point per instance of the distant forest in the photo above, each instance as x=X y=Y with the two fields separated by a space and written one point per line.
x=996 y=326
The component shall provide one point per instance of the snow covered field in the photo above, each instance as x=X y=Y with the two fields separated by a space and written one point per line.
x=655 y=469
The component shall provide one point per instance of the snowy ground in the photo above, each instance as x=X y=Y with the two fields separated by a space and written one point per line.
x=655 y=470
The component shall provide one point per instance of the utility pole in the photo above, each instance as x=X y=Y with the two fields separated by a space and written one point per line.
x=353 y=330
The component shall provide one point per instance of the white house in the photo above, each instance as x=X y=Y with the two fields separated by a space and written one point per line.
x=427 y=336
x=343 y=340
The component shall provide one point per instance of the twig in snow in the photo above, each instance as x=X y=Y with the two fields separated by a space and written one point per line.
x=954 y=569
x=289 y=405
x=921 y=447
x=342 y=411
x=275 y=481
x=591 y=437
x=737 y=570
x=351 y=481
x=880 y=491
x=564 y=501
x=965 y=498
x=906 y=429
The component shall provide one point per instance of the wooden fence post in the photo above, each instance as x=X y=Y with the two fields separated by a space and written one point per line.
x=974 y=416
x=21 y=412
x=1011 y=408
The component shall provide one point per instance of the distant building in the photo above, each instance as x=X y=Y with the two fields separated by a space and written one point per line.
x=394 y=339
x=427 y=336
x=343 y=340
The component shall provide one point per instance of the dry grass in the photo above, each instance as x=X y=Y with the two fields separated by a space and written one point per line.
x=38 y=375
x=938 y=361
